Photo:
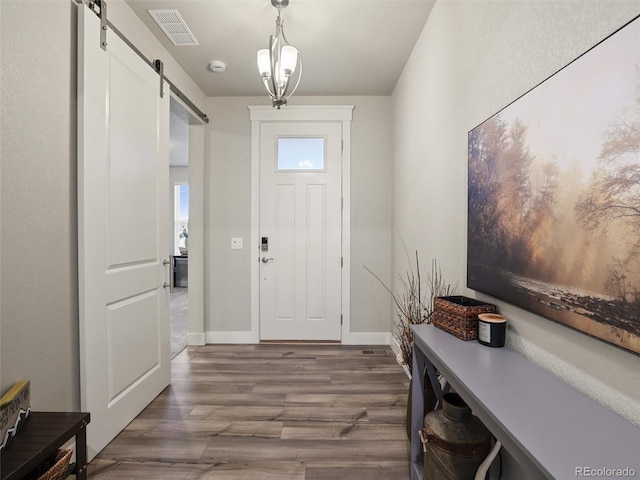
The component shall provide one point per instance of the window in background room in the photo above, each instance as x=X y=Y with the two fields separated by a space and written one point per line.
x=181 y=219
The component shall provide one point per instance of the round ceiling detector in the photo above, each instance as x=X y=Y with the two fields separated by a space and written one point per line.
x=217 y=66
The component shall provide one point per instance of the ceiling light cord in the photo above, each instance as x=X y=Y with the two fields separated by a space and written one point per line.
x=299 y=60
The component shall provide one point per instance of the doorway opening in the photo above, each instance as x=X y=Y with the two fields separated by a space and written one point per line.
x=179 y=188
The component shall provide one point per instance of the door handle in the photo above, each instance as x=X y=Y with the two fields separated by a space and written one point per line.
x=266 y=260
x=168 y=263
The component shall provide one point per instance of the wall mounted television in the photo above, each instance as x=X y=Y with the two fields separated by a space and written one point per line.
x=554 y=195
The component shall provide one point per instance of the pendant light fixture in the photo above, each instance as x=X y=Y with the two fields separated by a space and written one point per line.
x=278 y=63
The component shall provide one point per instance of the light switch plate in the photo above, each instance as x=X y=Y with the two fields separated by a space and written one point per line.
x=236 y=243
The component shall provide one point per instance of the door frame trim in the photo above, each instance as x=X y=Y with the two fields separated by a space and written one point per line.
x=301 y=113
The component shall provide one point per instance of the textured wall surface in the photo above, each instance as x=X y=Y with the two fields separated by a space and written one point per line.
x=472 y=59
x=39 y=248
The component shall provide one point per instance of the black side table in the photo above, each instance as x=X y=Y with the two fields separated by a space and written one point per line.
x=40 y=437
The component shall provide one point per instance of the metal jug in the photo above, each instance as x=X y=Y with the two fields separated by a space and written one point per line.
x=455 y=442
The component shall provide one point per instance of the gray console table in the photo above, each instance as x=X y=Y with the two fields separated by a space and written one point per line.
x=542 y=422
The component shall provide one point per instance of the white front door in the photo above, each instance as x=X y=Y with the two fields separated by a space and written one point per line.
x=300 y=231
x=123 y=217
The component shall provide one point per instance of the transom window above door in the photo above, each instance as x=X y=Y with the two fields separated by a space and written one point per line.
x=301 y=154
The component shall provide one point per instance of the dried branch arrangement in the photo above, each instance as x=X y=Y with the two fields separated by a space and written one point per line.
x=414 y=303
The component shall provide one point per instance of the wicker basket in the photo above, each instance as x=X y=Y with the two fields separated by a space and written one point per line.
x=458 y=315
x=55 y=468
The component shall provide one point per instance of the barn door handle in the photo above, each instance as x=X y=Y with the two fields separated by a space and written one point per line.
x=168 y=263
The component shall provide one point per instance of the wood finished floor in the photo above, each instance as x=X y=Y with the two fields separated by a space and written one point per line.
x=269 y=412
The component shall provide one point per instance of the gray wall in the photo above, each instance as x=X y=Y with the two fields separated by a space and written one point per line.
x=472 y=59
x=38 y=262
x=228 y=177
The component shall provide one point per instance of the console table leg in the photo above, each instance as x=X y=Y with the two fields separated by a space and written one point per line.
x=81 y=454
x=417 y=412
x=431 y=371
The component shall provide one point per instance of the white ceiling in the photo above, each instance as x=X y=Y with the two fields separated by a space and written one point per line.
x=349 y=47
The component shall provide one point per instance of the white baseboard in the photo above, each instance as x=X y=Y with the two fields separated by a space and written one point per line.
x=395 y=347
x=196 y=339
x=369 y=338
x=393 y=343
x=230 y=337
x=355 y=338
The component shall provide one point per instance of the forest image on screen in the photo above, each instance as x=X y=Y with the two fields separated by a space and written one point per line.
x=554 y=196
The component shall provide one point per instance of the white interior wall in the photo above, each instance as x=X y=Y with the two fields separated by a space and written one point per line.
x=472 y=59
x=178 y=135
x=228 y=176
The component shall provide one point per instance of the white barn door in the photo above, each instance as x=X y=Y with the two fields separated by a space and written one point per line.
x=123 y=214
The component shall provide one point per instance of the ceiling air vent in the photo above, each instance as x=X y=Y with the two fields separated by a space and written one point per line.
x=172 y=24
